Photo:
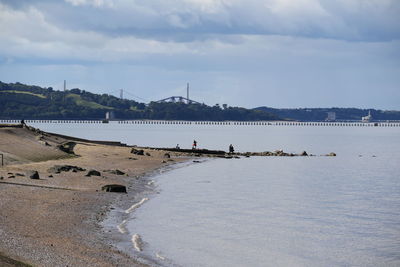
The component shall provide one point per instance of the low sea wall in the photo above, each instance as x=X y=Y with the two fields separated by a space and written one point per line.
x=238 y=123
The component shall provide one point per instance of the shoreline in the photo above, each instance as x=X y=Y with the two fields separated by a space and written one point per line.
x=65 y=217
x=42 y=224
x=123 y=210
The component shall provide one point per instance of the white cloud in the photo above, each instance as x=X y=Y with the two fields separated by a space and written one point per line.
x=274 y=48
x=359 y=20
x=95 y=3
x=27 y=34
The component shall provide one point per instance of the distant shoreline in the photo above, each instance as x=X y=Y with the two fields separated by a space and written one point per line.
x=340 y=123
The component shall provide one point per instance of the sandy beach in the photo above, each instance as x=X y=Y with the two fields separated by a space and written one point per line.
x=56 y=220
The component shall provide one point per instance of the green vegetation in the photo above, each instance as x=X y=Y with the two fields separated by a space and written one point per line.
x=90 y=104
x=22 y=92
x=19 y=101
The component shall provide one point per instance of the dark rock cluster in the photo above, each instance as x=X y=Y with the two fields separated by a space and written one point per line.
x=33 y=175
x=114 y=188
x=117 y=172
x=93 y=173
x=139 y=152
x=65 y=168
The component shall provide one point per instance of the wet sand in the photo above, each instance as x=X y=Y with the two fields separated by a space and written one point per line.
x=57 y=220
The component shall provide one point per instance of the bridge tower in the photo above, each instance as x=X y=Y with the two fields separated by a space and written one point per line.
x=187 y=93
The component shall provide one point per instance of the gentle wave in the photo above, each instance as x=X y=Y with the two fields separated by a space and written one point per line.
x=137 y=242
x=160 y=257
x=121 y=227
x=136 y=205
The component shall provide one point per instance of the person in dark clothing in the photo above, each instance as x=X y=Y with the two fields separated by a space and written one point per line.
x=231 y=149
x=194 y=146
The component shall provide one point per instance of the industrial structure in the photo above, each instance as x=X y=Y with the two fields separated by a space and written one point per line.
x=110 y=115
x=179 y=99
x=367 y=118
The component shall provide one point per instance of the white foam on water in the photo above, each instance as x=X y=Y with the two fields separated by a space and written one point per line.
x=136 y=205
x=158 y=255
x=137 y=242
x=122 y=227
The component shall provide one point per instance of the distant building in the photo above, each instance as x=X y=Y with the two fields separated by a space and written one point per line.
x=331 y=116
x=110 y=115
x=367 y=118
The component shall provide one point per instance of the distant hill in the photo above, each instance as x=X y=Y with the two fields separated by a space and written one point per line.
x=20 y=101
x=342 y=114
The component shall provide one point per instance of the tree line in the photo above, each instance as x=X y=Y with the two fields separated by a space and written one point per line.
x=20 y=101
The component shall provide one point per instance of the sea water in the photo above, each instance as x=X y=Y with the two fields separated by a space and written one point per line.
x=269 y=211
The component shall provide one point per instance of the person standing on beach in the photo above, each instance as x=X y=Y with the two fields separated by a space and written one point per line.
x=231 y=149
x=194 y=146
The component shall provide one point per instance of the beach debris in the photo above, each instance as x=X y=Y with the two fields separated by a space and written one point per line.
x=117 y=188
x=65 y=168
x=332 y=154
x=148 y=154
x=167 y=155
x=19 y=174
x=137 y=242
x=33 y=175
x=163 y=161
x=50 y=176
x=132 y=158
x=1 y=177
x=11 y=176
x=139 y=152
x=93 y=173
x=304 y=153
x=196 y=161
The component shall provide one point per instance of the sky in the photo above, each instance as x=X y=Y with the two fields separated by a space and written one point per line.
x=249 y=53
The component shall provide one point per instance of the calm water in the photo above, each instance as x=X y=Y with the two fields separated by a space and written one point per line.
x=313 y=211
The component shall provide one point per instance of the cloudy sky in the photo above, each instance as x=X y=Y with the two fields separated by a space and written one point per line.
x=278 y=53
